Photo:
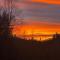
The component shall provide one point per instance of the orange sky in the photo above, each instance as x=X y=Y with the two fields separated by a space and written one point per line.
x=37 y=29
x=48 y=1
x=42 y=28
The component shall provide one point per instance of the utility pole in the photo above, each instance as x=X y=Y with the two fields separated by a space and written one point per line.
x=32 y=36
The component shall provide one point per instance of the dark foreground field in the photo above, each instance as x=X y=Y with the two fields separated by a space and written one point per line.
x=20 y=49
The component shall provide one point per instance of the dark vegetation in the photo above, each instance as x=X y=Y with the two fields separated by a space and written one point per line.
x=13 y=48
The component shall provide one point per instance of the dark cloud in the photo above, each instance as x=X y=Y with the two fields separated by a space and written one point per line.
x=45 y=12
x=37 y=11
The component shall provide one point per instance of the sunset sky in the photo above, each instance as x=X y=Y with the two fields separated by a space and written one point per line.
x=48 y=1
x=39 y=16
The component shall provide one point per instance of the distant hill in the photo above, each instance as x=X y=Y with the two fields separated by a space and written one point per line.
x=17 y=49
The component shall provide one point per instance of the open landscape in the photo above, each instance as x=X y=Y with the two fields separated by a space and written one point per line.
x=28 y=32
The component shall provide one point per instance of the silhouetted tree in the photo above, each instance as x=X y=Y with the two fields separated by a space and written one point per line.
x=5 y=19
x=56 y=36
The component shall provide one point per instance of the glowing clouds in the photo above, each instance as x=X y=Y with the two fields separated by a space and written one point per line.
x=48 y=1
x=36 y=29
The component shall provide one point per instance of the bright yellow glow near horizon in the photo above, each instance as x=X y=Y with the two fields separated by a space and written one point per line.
x=35 y=30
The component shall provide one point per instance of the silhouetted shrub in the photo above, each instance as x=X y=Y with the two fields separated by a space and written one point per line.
x=56 y=36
